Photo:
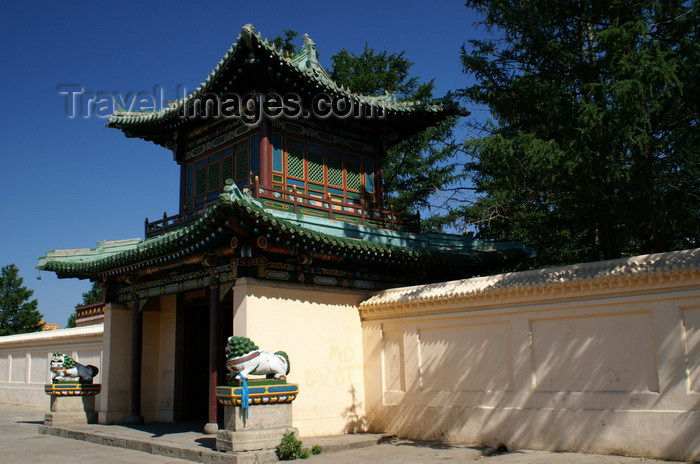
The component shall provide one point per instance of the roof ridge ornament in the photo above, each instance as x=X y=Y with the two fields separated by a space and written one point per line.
x=247 y=33
x=250 y=48
x=311 y=54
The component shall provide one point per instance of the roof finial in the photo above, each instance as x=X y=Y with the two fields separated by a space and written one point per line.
x=310 y=48
x=247 y=34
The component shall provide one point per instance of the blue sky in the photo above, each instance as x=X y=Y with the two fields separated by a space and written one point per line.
x=68 y=183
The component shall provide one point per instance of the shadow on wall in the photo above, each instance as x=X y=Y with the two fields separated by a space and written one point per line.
x=604 y=383
x=354 y=421
x=317 y=295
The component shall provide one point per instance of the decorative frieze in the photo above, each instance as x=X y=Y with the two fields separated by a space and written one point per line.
x=309 y=130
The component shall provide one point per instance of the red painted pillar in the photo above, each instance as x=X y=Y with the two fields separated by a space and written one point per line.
x=265 y=154
x=214 y=346
x=379 y=183
x=135 y=416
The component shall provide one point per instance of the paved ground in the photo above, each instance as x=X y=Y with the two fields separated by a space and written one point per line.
x=407 y=452
x=21 y=443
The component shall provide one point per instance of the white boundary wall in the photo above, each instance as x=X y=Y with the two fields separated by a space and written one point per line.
x=601 y=357
x=25 y=359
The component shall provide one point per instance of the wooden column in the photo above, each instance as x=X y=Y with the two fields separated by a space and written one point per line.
x=135 y=416
x=183 y=182
x=215 y=317
x=265 y=154
x=379 y=184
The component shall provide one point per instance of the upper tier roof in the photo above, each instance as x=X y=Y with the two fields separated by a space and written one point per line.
x=254 y=63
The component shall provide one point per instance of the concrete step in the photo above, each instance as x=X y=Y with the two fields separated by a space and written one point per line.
x=163 y=440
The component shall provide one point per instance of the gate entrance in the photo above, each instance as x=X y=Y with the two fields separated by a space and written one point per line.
x=192 y=354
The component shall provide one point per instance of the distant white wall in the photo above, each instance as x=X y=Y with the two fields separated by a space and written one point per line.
x=599 y=357
x=25 y=359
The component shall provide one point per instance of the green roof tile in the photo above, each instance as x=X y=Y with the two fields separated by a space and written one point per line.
x=304 y=65
x=324 y=234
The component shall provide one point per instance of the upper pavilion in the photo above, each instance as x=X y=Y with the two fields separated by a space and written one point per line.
x=287 y=194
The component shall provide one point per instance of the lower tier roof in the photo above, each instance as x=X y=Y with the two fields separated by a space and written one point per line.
x=237 y=216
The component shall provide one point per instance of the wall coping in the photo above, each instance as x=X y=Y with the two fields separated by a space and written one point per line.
x=53 y=335
x=252 y=282
x=661 y=268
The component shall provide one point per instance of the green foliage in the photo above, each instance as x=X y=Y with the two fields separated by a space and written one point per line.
x=291 y=448
x=92 y=296
x=286 y=43
x=70 y=323
x=373 y=73
x=18 y=314
x=238 y=346
x=419 y=167
x=316 y=449
x=594 y=148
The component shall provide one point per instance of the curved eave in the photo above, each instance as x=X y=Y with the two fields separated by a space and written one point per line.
x=176 y=244
x=148 y=125
x=197 y=236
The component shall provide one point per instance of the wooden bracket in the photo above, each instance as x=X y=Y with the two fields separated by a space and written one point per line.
x=224 y=289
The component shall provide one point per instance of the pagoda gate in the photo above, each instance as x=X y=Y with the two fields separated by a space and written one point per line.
x=281 y=232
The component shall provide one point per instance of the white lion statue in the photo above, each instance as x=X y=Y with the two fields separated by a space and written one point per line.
x=64 y=366
x=243 y=358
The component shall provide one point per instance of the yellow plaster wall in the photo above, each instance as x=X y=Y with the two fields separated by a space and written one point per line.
x=150 y=364
x=158 y=361
x=116 y=375
x=320 y=330
x=609 y=367
x=166 y=363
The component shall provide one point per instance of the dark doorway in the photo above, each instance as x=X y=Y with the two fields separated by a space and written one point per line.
x=192 y=361
x=192 y=354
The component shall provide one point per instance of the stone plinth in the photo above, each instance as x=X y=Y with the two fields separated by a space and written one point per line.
x=269 y=418
x=260 y=417
x=263 y=429
x=71 y=403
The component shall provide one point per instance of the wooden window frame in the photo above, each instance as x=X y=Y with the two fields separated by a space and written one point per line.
x=303 y=185
x=196 y=200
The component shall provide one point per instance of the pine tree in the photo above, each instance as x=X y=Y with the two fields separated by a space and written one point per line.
x=594 y=150
x=418 y=168
x=71 y=320
x=286 y=43
x=421 y=166
x=94 y=295
x=17 y=313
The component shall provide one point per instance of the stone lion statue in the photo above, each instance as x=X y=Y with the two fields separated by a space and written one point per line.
x=64 y=366
x=243 y=358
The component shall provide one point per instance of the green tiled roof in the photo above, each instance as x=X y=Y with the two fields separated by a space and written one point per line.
x=323 y=236
x=304 y=66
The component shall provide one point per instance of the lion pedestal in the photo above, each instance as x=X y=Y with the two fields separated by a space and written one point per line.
x=72 y=392
x=71 y=403
x=262 y=426
x=257 y=413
